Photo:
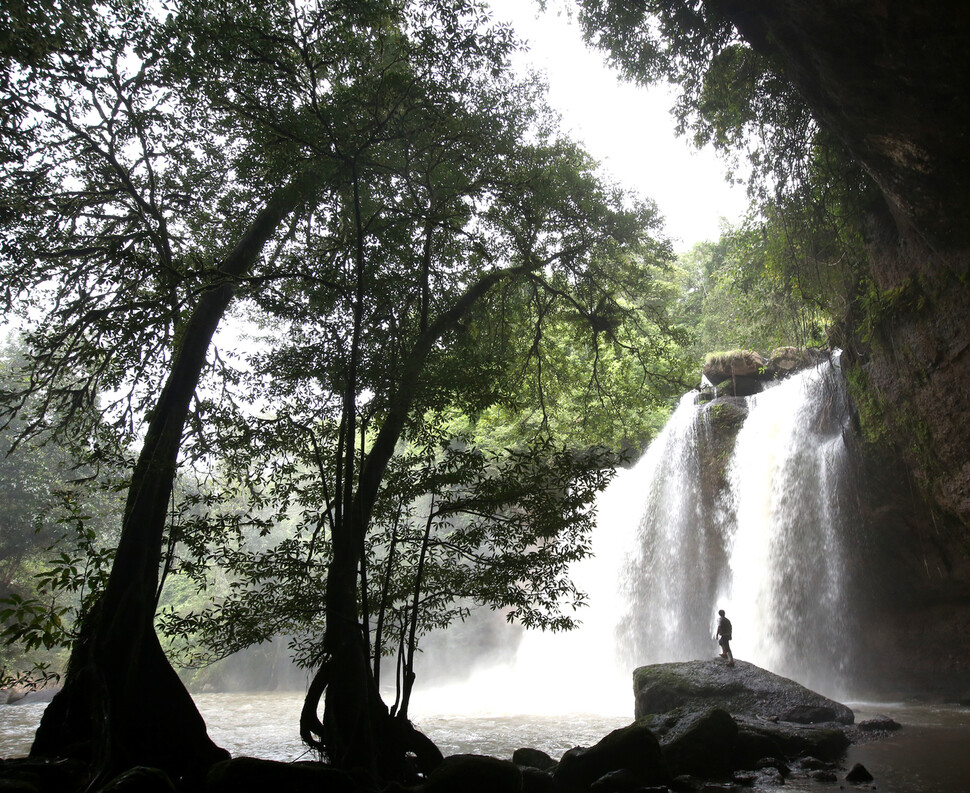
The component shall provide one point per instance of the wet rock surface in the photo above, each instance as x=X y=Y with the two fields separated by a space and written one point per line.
x=743 y=690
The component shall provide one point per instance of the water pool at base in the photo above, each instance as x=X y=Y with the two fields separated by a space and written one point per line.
x=930 y=754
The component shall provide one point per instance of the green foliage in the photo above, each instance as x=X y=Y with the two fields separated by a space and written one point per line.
x=58 y=509
x=797 y=264
x=455 y=272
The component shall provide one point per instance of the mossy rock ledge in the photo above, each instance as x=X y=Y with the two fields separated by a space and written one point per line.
x=743 y=373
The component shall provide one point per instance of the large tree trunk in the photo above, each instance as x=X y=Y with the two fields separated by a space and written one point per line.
x=357 y=729
x=122 y=703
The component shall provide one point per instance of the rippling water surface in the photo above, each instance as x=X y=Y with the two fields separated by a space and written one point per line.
x=931 y=754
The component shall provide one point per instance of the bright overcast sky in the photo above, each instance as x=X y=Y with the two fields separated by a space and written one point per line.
x=627 y=128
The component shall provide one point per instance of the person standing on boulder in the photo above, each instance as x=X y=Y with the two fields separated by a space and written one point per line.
x=723 y=636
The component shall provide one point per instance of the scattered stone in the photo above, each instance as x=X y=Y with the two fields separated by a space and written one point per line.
x=771 y=776
x=472 y=773
x=813 y=764
x=533 y=758
x=773 y=763
x=858 y=773
x=824 y=776
x=634 y=748
x=879 y=724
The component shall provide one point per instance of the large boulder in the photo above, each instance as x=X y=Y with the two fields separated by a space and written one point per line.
x=742 y=690
x=634 y=749
x=702 y=744
x=784 y=361
x=722 y=366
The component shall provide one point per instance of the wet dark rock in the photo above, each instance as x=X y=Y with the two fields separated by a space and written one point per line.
x=533 y=758
x=684 y=783
x=813 y=764
x=824 y=776
x=809 y=714
x=773 y=763
x=139 y=780
x=702 y=744
x=878 y=724
x=23 y=774
x=19 y=786
x=739 y=386
x=826 y=742
x=741 y=690
x=472 y=773
x=634 y=748
x=745 y=778
x=770 y=776
x=754 y=748
x=721 y=720
x=536 y=781
x=622 y=781
x=858 y=773
x=254 y=775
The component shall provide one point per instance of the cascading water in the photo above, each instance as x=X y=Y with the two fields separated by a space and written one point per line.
x=751 y=520
x=765 y=542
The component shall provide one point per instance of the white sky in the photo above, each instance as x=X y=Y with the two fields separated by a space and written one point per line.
x=627 y=128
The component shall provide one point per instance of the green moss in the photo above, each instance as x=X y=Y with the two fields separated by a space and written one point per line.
x=872 y=415
x=724 y=357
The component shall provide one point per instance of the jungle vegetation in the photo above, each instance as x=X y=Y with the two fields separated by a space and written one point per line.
x=327 y=332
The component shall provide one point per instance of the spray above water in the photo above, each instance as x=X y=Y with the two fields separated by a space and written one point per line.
x=737 y=504
x=752 y=523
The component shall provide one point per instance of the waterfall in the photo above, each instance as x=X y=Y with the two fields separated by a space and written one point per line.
x=767 y=545
x=751 y=522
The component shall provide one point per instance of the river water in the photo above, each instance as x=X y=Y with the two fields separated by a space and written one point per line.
x=928 y=755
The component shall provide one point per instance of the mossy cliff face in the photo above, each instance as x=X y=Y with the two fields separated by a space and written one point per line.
x=889 y=79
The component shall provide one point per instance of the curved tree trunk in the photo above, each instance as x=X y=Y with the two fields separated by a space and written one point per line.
x=357 y=730
x=122 y=703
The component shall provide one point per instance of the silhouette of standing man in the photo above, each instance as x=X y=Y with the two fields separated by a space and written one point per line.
x=724 y=637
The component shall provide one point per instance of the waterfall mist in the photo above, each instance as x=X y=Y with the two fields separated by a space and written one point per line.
x=752 y=519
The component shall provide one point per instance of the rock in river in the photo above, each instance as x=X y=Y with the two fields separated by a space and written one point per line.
x=741 y=690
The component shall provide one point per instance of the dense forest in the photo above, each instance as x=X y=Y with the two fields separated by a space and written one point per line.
x=322 y=332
